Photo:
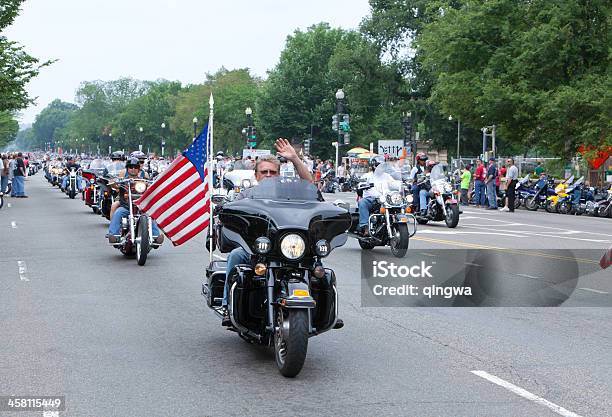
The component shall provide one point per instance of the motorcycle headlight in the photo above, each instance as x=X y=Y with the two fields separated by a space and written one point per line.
x=140 y=187
x=409 y=198
x=292 y=246
x=395 y=199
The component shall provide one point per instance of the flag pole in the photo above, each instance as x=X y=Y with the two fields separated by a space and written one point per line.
x=211 y=103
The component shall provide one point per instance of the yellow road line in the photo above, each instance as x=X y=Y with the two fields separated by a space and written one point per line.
x=506 y=250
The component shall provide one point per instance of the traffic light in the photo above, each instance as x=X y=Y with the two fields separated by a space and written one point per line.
x=253 y=134
x=407 y=123
x=344 y=124
x=347 y=138
x=335 y=122
x=307 y=146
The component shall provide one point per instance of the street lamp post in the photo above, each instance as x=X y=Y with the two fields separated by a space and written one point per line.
x=163 y=142
x=408 y=141
x=450 y=118
x=195 y=127
x=249 y=116
x=140 y=139
x=339 y=111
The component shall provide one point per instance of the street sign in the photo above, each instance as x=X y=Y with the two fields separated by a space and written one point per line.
x=255 y=152
x=391 y=147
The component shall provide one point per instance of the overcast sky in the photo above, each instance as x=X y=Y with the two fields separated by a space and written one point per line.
x=150 y=39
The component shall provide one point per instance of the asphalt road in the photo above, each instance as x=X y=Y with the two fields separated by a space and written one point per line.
x=78 y=319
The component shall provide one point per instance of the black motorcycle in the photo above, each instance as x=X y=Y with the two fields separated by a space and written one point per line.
x=283 y=295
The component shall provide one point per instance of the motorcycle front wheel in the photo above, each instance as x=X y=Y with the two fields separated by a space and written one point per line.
x=550 y=207
x=531 y=204
x=564 y=208
x=399 y=242
x=142 y=244
x=452 y=216
x=71 y=194
x=291 y=340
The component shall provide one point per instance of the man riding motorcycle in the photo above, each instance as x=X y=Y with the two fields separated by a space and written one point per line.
x=419 y=192
x=121 y=209
x=381 y=181
x=70 y=163
x=266 y=167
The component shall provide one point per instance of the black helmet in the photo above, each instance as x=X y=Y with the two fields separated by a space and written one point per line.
x=220 y=153
x=374 y=163
x=132 y=163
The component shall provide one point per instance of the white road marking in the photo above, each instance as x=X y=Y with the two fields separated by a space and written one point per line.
x=525 y=394
x=472 y=264
x=592 y=290
x=527 y=276
x=428 y=254
x=8 y=205
x=463 y=232
x=23 y=270
x=14 y=225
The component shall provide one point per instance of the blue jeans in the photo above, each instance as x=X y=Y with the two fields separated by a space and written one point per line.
x=3 y=184
x=79 y=182
x=479 y=191
x=114 y=228
x=365 y=205
x=423 y=199
x=236 y=257
x=18 y=186
x=492 y=194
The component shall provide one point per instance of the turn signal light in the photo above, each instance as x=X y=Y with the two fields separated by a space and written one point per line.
x=260 y=269
x=383 y=210
x=319 y=271
x=301 y=293
x=408 y=209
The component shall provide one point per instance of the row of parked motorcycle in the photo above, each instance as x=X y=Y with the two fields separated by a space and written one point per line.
x=100 y=182
x=567 y=196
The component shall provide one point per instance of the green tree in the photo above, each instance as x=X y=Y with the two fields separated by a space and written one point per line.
x=17 y=67
x=300 y=91
x=8 y=128
x=537 y=69
x=50 y=122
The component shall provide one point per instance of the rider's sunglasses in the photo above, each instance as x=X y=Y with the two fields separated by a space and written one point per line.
x=268 y=172
x=133 y=167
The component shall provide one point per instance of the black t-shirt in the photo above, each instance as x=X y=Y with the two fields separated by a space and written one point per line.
x=19 y=164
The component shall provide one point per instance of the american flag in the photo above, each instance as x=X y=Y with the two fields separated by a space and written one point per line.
x=179 y=199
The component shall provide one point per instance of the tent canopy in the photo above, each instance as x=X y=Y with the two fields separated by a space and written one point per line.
x=356 y=151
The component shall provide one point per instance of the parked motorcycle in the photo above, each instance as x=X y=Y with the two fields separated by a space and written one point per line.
x=442 y=201
x=284 y=295
x=539 y=198
x=560 y=194
x=603 y=208
x=136 y=229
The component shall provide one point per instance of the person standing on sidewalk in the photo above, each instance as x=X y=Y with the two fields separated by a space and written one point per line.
x=511 y=179
x=12 y=167
x=490 y=184
x=19 y=177
x=479 y=185
x=4 y=173
x=466 y=177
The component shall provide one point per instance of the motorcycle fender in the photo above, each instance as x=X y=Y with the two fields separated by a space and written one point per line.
x=298 y=296
x=401 y=218
x=451 y=201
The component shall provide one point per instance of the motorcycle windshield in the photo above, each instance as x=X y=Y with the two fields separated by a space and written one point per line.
x=284 y=188
x=115 y=167
x=280 y=205
x=437 y=173
x=97 y=164
x=391 y=168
